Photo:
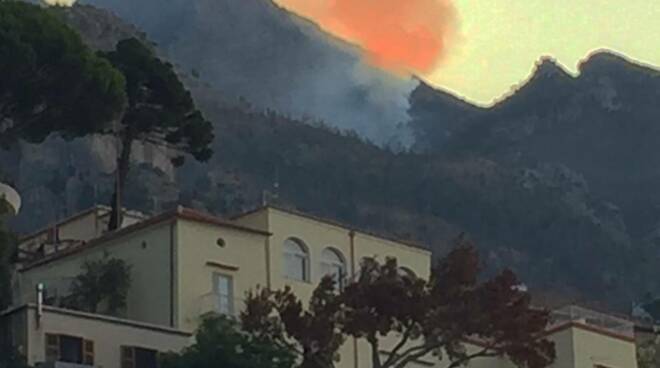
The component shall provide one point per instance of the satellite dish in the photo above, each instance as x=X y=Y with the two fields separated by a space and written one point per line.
x=10 y=195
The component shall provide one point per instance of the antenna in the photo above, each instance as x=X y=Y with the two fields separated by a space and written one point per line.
x=267 y=195
x=276 y=184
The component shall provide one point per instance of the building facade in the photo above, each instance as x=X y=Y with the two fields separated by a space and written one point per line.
x=185 y=264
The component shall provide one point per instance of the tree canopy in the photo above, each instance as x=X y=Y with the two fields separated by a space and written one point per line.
x=104 y=280
x=452 y=316
x=160 y=110
x=220 y=342
x=313 y=334
x=7 y=249
x=51 y=82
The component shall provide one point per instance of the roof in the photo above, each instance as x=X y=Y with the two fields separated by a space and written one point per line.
x=333 y=222
x=71 y=218
x=96 y=208
x=180 y=213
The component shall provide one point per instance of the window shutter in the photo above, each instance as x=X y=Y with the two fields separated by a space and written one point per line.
x=88 y=352
x=127 y=357
x=52 y=348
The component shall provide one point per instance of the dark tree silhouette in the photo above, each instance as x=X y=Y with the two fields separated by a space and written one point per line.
x=452 y=315
x=160 y=111
x=316 y=330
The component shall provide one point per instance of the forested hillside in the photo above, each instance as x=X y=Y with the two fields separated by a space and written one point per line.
x=541 y=218
x=599 y=129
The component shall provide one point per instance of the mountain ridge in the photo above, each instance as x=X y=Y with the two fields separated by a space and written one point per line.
x=542 y=219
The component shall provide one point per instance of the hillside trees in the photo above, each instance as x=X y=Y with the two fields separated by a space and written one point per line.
x=51 y=82
x=452 y=316
x=160 y=111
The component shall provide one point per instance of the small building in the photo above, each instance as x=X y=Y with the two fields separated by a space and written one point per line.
x=186 y=263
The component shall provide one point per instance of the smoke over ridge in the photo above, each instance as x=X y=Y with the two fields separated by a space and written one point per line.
x=274 y=59
x=398 y=35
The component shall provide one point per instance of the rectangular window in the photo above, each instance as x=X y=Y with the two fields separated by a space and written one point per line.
x=223 y=288
x=69 y=349
x=135 y=357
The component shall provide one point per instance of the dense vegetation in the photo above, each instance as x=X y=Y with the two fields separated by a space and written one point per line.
x=220 y=342
x=7 y=251
x=51 y=81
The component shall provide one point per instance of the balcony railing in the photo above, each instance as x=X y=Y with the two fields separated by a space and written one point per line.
x=219 y=304
x=602 y=321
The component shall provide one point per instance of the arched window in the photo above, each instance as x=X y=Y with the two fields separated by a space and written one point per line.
x=333 y=264
x=296 y=260
x=407 y=272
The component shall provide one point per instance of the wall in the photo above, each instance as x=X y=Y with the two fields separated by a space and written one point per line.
x=564 y=348
x=108 y=334
x=243 y=257
x=81 y=227
x=84 y=226
x=353 y=246
x=146 y=250
x=593 y=349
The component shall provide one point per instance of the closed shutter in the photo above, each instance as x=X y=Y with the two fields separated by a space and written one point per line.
x=88 y=352
x=52 y=348
x=127 y=357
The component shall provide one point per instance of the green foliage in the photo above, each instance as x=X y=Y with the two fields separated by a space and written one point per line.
x=51 y=82
x=220 y=343
x=103 y=283
x=160 y=109
x=7 y=251
x=648 y=354
x=9 y=358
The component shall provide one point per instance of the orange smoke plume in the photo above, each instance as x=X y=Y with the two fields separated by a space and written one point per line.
x=409 y=36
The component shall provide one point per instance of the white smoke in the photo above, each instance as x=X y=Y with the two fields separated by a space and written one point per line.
x=60 y=2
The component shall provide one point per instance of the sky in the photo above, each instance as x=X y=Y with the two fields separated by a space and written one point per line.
x=492 y=45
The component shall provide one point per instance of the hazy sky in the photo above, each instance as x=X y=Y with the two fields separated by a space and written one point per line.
x=501 y=39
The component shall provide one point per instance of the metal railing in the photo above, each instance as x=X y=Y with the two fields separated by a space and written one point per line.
x=219 y=304
x=572 y=313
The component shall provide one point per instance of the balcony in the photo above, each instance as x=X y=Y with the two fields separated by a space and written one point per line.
x=601 y=321
x=214 y=303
